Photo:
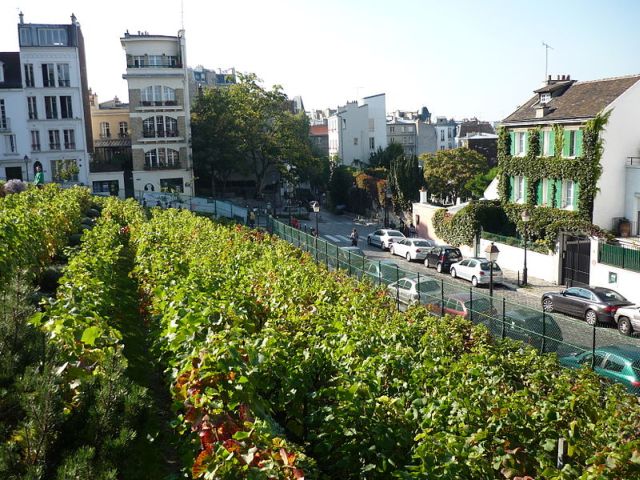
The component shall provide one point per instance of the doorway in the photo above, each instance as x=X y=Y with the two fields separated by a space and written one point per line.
x=13 y=173
x=576 y=260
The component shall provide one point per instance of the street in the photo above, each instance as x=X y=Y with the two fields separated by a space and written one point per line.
x=576 y=334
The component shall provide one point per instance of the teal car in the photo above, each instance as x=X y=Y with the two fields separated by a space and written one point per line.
x=616 y=363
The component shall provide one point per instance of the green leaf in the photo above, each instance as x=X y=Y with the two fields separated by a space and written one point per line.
x=90 y=335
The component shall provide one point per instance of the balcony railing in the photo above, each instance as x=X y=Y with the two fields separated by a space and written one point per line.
x=105 y=135
x=146 y=65
x=97 y=167
x=157 y=103
x=633 y=161
x=35 y=147
x=54 y=146
x=5 y=124
x=69 y=146
x=162 y=166
x=160 y=134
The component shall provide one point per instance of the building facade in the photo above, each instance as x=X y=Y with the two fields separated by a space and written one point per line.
x=46 y=116
x=159 y=110
x=403 y=132
x=445 y=133
x=201 y=78
x=319 y=135
x=358 y=129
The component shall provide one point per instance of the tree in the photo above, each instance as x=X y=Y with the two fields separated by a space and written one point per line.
x=383 y=158
x=478 y=184
x=339 y=185
x=447 y=172
x=405 y=180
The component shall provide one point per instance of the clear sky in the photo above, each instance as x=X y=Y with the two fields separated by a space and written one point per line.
x=459 y=58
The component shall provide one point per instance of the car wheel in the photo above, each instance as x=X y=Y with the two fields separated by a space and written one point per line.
x=624 y=326
x=453 y=272
x=426 y=263
x=439 y=267
x=474 y=281
x=391 y=251
x=591 y=318
x=408 y=257
x=547 y=304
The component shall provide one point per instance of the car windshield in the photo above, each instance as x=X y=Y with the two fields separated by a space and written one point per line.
x=421 y=243
x=607 y=295
x=394 y=233
x=478 y=305
x=428 y=286
x=485 y=266
x=453 y=254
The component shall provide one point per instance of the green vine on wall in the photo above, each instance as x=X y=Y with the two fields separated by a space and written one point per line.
x=504 y=149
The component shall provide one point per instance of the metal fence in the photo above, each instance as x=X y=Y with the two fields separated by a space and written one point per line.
x=627 y=258
x=607 y=352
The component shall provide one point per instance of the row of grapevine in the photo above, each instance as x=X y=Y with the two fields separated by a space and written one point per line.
x=263 y=345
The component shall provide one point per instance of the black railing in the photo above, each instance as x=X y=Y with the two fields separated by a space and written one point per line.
x=162 y=166
x=633 y=161
x=145 y=65
x=97 y=167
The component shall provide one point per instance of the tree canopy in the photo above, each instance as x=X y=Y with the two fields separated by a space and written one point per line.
x=405 y=180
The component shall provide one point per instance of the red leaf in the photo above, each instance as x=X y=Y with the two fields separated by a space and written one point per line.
x=199 y=468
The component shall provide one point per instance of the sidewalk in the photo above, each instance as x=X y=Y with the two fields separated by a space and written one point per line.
x=531 y=294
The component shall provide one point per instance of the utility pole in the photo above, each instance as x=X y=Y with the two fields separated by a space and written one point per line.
x=546 y=59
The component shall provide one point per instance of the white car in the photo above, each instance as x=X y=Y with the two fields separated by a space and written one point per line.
x=412 y=248
x=628 y=319
x=477 y=271
x=384 y=237
x=415 y=289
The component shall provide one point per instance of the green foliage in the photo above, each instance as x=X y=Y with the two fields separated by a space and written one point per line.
x=383 y=158
x=462 y=228
x=478 y=184
x=447 y=172
x=339 y=185
x=405 y=181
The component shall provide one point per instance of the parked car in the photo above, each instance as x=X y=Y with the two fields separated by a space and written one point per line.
x=476 y=309
x=351 y=259
x=529 y=326
x=442 y=257
x=594 y=304
x=477 y=271
x=384 y=237
x=411 y=248
x=628 y=319
x=617 y=363
x=415 y=289
x=382 y=271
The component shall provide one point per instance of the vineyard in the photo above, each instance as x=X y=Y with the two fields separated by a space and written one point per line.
x=158 y=344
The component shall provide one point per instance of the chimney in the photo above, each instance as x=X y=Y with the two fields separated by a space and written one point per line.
x=21 y=15
x=73 y=19
x=542 y=109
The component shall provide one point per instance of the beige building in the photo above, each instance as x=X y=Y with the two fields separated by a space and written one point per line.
x=110 y=170
x=159 y=112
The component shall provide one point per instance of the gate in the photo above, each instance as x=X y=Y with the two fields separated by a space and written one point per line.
x=576 y=260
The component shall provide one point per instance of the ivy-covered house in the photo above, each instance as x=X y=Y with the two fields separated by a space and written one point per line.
x=568 y=148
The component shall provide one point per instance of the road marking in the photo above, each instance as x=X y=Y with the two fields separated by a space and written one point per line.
x=345 y=239
x=332 y=238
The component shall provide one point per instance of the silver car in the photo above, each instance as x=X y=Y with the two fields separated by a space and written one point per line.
x=412 y=248
x=628 y=319
x=384 y=237
x=477 y=271
x=413 y=290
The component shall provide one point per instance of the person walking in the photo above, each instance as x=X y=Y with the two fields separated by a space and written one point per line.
x=354 y=238
x=38 y=180
x=252 y=219
x=412 y=230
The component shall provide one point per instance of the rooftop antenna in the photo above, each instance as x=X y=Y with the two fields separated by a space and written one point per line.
x=182 y=14
x=546 y=58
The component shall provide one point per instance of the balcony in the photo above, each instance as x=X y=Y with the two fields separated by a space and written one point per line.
x=166 y=103
x=146 y=65
x=54 y=146
x=69 y=146
x=162 y=166
x=160 y=134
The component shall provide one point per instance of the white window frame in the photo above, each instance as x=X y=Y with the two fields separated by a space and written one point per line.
x=546 y=143
x=29 y=78
x=32 y=108
x=35 y=141
x=105 y=130
x=1 y=72
x=545 y=192
x=64 y=79
x=518 y=189
x=572 y=143
x=54 y=140
x=568 y=194
x=10 y=144
x=69 y=136
x=519 y=147
x=52 y=112
x=545 y=97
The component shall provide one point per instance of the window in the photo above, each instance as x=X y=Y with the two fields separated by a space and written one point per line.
x=51 y=107
x=32 y=106
x=442 y=136
x=155 y=60
x=10 y=145
x=3 y=115
x=63 y=75
x=372 y=126
x=159 y=126
x=65 y=107
x=545 y=148
x=138 y=61
x=112 y=187
x=355 y=140
x=519 y=147
x=392 y=129
x=25 y=37
x=35 y=141
x=161 y=158
x=568 y=193
x=157 y=94
x=52 y=36
x=124 y=129
x=105 y=130
x=518 y=189
x=172 y=185
x=545 y=192
x=614 y=364
x=449 y=134
x=54 y=140
x=69 y=139
x=28 y=75
x=148 y=128
x=48 y=75
x=372 y=143
x=572 y=143
x=545 y=97
x=1 y=72
x=66 y=169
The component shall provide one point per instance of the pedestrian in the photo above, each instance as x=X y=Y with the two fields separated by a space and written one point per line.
x=38 y=180
x=252 y=219
x=412 y=230
x=354 y=238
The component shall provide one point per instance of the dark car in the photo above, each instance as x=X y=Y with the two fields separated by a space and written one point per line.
x=478 y=309
x=594 y=304
x=533 y=327
x=617 y=363
x=442 y=257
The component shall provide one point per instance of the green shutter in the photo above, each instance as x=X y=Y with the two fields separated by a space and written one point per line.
x=552 y=144
x=511 y=184
x=558 y=202
x=576 y=192
x=541 y=143
x=549 y=192
x=539 y=193
x=525 y=146
x=513 y=144
x=579 y=143
x=525 y=181
x=565 y=143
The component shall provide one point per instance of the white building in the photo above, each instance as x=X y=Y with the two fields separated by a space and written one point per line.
x=445 y=133
x=47 y=123
x=357 y=129
x=159 y=110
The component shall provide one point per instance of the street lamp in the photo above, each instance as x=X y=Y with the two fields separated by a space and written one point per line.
x=26 y=166
x=525 y=219
x=316 y=208
x=491 y=252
